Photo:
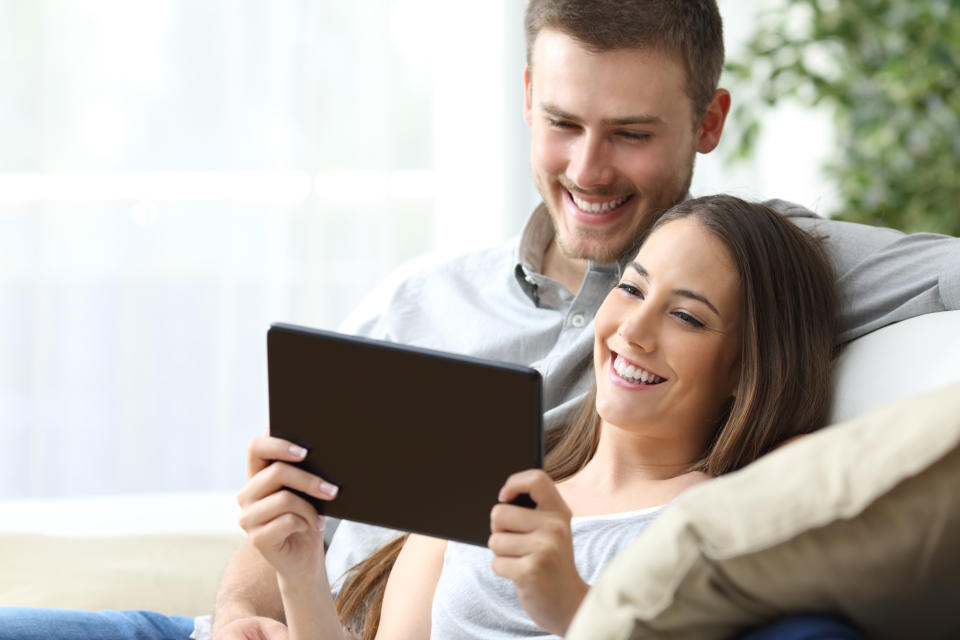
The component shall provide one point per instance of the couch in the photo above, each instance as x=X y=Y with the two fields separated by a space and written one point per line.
x=50 y=558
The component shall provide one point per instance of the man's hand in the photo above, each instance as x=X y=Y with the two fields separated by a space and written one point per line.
x=534 y=549
x=257 y=628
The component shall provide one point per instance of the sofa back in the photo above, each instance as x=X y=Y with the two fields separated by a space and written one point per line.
x=896 y=362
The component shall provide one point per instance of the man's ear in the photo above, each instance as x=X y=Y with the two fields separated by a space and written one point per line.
x=712 y=124
x=527 y=98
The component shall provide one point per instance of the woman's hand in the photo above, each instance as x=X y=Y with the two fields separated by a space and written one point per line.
x=534 y=549
x=284 y=527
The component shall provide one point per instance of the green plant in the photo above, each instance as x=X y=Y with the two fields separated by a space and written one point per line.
x=889 y=70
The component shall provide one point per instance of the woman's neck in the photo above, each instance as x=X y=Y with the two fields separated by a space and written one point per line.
x=631 y=471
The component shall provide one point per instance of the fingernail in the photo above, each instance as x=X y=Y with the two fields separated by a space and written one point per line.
x=298 y=451
x=329 y=489
x=321 y=522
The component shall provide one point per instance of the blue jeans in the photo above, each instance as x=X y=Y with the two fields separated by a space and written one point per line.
x=18 y=623
x=805 y=627
x=21 y=623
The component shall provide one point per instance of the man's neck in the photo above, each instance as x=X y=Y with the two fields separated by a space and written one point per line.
x=567 y=271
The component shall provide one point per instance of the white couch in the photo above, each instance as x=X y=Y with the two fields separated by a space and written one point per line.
x=171 y=561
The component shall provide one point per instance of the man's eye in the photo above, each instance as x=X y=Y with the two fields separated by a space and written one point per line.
x=630 y=290
x=561 y=124
x=635 y=136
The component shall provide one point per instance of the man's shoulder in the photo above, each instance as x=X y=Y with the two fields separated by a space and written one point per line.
x=437 y=272
x=477 y=262
x=791 y=209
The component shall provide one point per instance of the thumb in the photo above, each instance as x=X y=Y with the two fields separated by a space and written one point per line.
x=538 y=485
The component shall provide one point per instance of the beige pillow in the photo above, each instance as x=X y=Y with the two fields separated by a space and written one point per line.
x=861 y=519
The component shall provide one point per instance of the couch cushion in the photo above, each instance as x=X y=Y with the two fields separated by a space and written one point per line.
x=174 y=574
x=861 y=519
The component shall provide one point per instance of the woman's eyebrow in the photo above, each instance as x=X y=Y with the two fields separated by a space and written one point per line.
x=686 y=293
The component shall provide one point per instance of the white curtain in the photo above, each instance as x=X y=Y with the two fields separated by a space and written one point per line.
x=175 y=175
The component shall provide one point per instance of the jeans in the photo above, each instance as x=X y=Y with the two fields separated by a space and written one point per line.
x=805 y=627
x=18 y=623
x=21 y=623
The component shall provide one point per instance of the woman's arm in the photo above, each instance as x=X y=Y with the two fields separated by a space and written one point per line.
x=408 y=599
x=311 y=612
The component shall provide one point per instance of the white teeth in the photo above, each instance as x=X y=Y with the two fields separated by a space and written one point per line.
x=634 y=374
x=598 y=207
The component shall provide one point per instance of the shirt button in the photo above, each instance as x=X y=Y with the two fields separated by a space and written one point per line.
x=578 y=320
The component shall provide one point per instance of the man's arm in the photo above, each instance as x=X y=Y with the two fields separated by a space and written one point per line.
x=883 y=275
x=248 y=592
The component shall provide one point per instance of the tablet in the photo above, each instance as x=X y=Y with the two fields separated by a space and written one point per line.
x=417 y=440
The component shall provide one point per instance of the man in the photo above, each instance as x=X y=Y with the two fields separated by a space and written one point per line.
x=620 y=95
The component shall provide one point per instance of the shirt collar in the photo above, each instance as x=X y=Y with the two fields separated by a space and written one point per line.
x=534 y=240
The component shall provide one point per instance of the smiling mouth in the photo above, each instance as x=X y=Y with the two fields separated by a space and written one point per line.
x=634 y=374
x=598 y=207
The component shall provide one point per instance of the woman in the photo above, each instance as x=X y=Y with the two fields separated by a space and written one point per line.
x=713 y=349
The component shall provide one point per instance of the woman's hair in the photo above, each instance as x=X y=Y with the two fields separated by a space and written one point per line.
x=787 y=338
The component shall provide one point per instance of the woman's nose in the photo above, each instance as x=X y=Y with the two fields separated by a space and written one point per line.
x=640 y=329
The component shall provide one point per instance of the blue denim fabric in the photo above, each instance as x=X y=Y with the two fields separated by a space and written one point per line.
x=805 y=627
x=19 y=623
x=22 y=623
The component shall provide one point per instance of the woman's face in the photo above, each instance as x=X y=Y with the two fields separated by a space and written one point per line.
x=668 y=336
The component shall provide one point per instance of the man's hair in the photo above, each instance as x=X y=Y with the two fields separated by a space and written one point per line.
x=691 y=29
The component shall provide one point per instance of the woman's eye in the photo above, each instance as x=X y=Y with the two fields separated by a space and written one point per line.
x=689 y=319
x=631 y=290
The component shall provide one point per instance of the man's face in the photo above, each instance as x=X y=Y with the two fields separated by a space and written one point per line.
x=612 y=141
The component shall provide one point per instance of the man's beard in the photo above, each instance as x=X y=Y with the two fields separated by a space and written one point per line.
x=600 y=252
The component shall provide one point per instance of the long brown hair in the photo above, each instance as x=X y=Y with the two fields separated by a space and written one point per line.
x=788 y=306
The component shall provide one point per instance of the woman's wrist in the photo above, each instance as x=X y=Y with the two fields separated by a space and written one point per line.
x=309 y=607
x=577 y=594
x=303 y=585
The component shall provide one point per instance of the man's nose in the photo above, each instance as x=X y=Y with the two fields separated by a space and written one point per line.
x=589 y=164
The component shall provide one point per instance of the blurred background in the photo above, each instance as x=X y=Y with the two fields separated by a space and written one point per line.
x=175 y=175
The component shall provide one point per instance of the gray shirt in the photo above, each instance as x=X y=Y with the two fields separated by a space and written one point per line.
x=471 y=601
x=496 y=304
